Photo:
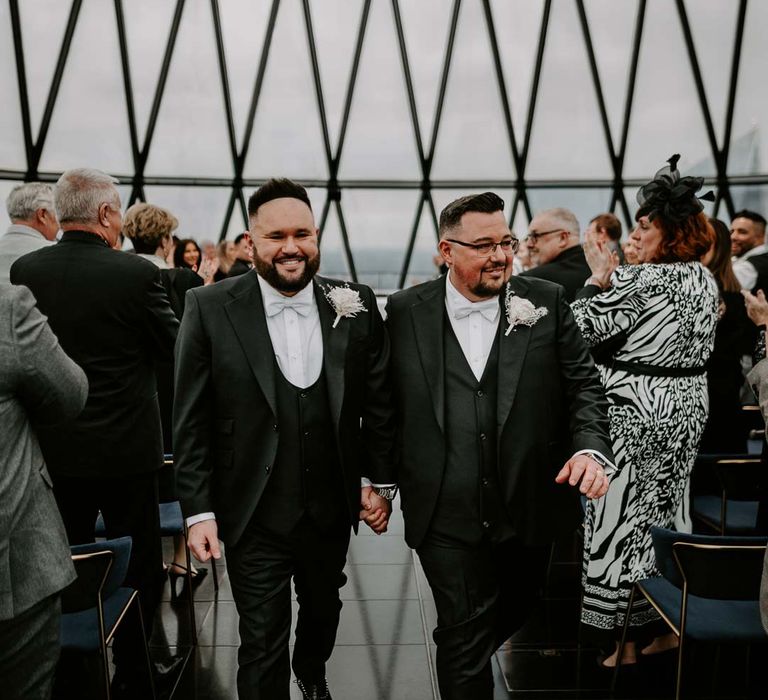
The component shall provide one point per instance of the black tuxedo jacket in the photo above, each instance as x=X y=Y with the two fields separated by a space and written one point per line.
x=225 y=426
x=570 y=269
x=111 y=315
x=550 y=405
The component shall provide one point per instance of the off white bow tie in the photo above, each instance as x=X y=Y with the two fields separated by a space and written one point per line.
x=463 y=307
x=300 y=306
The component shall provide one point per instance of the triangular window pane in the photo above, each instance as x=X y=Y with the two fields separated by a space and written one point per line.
x=584 y=203
x=568 y=140
x=612 y=27
x=42 y=44
x=336 y=24
x=749 y=148
x=147 y=28
x=666 y=114
x=472 y=137
x=425 y=258
x=191 y=134
x=287 y=138
x=379 y=224
x=754 y=197
x=713 y=25
x=426 y=26
x=244 y=28
x=12 y=155
x=518 y=24
x=200 y=210
x=333 y=259
x=89 y=125
x=380 y=142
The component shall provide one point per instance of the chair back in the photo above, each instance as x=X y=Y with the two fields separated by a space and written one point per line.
x=92 y=570
x=119 y=550
x=666 y=548
x=723 y=572
x=742 y=479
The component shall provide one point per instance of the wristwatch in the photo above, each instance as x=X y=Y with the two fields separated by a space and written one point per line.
x=388 y=492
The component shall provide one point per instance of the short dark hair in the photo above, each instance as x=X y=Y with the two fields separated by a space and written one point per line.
x=751 y=215
x=485 y=203
x=239 y=237
x=610 y=224
x=276 y=188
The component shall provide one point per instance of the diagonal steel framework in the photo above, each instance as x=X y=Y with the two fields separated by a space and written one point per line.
x=518 y=136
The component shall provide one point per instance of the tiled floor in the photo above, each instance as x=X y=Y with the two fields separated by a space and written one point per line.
x=384 y=649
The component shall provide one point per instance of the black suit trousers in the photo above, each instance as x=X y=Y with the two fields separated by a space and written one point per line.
x=130 y=507
x=483 y=594
x=260 y=568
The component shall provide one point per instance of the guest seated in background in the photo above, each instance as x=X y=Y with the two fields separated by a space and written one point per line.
x=734 y=337
x=243 y=255
x=666 y=309
x=39 y=385
x=33 y=224
x=553 y=246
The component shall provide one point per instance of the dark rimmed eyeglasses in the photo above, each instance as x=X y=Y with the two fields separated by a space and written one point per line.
x=533 y=238
x=485 y=250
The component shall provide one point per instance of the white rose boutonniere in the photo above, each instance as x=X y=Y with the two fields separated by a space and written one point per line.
x=345 y=302
x=521 y=312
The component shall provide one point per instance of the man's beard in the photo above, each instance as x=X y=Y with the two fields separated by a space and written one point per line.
x=269 y=272
x=485 y=290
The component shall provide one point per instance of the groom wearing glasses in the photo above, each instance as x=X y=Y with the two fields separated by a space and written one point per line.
x=502 y=423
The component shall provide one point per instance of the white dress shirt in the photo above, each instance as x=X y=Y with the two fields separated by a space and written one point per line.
x=475 y=324
x=744 y=270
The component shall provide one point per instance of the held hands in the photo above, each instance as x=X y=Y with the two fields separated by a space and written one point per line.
x=203 y=540
x=375 y=510
x=594 y=482
x=757 y=306
x=600 y=258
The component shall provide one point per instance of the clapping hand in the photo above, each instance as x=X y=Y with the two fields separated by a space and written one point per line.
x=375 y=510
x=582 y=468
x=757 y=306
x=601 y=259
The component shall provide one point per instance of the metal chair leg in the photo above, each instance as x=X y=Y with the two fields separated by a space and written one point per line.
x=623 y=641
x=190 y=596
x=215 y=575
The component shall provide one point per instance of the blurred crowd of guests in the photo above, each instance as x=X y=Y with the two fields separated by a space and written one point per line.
x=665 y=313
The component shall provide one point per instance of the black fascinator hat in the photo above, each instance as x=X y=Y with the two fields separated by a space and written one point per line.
x=670 y=196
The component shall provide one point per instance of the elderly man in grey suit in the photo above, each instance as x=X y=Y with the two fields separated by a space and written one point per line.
x=33 y=224
x=39 y=385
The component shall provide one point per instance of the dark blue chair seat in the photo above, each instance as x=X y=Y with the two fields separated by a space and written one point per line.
x=741 y=516
x=708 y=619
x=80 y=630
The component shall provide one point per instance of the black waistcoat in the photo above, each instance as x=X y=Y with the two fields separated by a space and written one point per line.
x=760 y=263
x=469 y=507
x=306 y=476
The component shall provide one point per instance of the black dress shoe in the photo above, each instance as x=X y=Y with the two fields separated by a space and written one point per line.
x=314 y=691
x=133 y=685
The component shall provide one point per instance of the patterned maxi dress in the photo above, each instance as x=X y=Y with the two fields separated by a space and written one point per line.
x=668 y=313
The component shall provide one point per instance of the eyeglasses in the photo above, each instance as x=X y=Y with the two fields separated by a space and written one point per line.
x=533 y=238
x=485 y=250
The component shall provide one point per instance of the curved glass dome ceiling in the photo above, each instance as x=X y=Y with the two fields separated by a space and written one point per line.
x=385 y=109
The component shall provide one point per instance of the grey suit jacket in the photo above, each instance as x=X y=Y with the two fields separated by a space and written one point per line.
x=39 y=385
x=17 y=241
x=758 y=380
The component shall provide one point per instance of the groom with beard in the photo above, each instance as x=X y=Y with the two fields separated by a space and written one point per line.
x=500 y=409
x=282 y=420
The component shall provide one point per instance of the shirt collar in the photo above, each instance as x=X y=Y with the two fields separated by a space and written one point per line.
x=24 y=230
x=757 y=250
x=269 y=292
x=154 y=259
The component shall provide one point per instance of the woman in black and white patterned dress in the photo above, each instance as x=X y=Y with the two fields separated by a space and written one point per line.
x=665 y=312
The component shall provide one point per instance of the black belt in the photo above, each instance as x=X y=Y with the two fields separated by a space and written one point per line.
x=656 y=370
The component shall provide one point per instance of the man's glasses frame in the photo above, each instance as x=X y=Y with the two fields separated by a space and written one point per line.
x=486 y=250
x=533 y=238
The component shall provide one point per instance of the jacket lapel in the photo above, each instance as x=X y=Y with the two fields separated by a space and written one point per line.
x=512 y=349
x=428 y=319
x=246 y=314
x=335 y=341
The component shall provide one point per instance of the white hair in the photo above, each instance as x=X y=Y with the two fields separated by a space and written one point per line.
x=563 y=218
x=24 y=200
x=80 y=193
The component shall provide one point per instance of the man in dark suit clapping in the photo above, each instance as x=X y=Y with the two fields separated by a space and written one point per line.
x=111 y=315
x=499 y=409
